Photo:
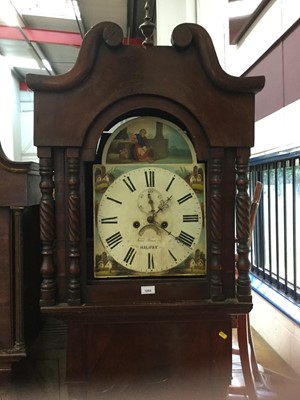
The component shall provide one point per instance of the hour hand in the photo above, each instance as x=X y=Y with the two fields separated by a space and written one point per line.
x=151 y=202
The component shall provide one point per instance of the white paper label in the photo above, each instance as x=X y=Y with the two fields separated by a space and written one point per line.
x=147 y=289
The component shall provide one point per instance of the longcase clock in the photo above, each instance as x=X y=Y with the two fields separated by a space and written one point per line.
x=144 y=205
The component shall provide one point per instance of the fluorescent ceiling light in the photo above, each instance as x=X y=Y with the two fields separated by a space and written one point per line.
x=22 y=62
x=242 y=8
x=48 y=8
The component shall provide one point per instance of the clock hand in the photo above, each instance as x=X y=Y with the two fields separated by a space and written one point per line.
x=164 y=229
x=161 y=226
x=162 y=205
x=151 y=202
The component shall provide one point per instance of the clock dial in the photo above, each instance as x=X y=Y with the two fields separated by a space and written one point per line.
x=149 y=220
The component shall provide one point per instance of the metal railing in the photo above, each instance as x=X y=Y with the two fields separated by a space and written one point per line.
x=275 y=250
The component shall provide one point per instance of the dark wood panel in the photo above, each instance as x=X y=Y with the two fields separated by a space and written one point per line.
x=166 y=290
x=32 y=278
x=170 y=359
x=19 y=257
x=280 y=65
x=19 y=182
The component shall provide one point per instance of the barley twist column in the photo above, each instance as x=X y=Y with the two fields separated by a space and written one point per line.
x=216 y=230
x=242 y=226
x=74 y=227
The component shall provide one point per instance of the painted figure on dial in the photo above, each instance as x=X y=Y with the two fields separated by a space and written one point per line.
x=141 y=149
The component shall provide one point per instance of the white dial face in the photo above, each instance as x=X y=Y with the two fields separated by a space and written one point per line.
x=149 y=220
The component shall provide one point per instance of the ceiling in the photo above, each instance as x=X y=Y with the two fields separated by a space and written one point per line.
x=50 y=39
x=57 y=39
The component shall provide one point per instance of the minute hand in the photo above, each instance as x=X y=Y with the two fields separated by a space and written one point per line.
x=178 y=238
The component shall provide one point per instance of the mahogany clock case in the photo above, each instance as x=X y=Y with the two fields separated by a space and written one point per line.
x=182 y=84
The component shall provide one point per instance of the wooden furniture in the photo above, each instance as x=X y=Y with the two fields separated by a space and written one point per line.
x=246 y=352
x=19 y=259
x=178 y=339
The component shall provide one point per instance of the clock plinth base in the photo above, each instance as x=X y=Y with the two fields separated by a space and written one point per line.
x=181 y=359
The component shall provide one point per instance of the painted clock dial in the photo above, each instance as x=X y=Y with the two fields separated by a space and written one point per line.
x=149 y=220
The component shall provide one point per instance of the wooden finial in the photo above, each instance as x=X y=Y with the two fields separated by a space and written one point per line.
x=147 y=27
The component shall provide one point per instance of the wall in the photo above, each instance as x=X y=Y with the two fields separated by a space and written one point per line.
x=272 y=23
x=10 y=115
x=211 y=14
x=16 y=122
x=279 y=331
x=28 y=150
x=278 y=105
x=270 y=48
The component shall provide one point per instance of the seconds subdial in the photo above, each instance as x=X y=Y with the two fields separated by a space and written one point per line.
x=149 y=200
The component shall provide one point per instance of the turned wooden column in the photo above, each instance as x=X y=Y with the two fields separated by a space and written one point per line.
x=19 y=278
x=74 y=227
x=47 y=228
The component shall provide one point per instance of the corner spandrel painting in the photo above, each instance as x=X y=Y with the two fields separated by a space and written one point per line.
x=148 y=140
